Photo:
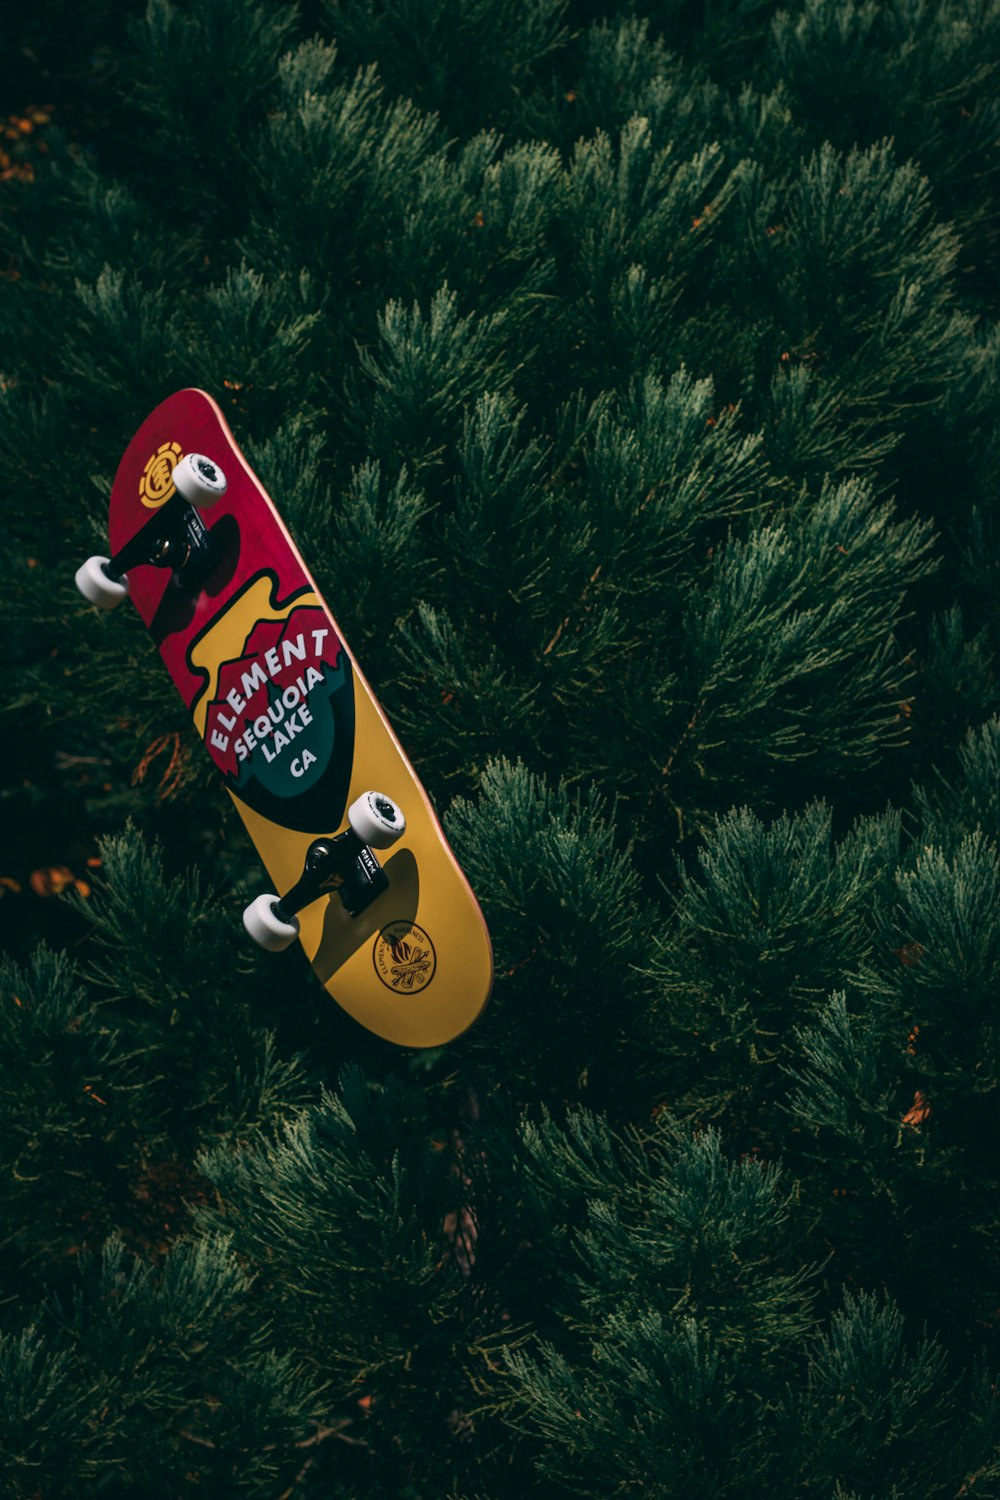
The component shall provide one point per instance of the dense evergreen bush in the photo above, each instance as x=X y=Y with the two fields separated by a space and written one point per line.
x=629 y=377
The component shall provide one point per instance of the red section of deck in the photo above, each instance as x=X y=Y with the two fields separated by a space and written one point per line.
x=193 y=421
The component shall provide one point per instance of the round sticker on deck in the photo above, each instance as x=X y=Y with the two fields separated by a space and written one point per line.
x=404 y=958
x=157 y=482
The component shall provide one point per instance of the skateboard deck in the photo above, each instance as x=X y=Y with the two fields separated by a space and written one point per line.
x=297 y=734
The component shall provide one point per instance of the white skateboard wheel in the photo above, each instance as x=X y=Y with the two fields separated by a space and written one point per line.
x=200 y=481
x=376 y=819
x=96 y=587
x=266 y=928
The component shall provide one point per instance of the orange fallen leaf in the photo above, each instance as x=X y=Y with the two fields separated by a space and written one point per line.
x=51 y=880
x=171 y=778
x=918 y=1111
x=910 y=954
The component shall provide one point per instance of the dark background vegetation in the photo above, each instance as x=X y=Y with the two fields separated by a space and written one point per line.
x=628 y=376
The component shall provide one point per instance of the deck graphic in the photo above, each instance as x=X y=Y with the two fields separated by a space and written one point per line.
x=277 y=712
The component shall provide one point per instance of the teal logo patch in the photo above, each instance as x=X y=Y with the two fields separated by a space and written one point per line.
x=280 y=709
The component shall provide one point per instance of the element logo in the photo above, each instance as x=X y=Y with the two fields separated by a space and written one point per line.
x=404 y=958
x=157 y=482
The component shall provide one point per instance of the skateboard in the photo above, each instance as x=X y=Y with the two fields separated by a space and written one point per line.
x=363 y=876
